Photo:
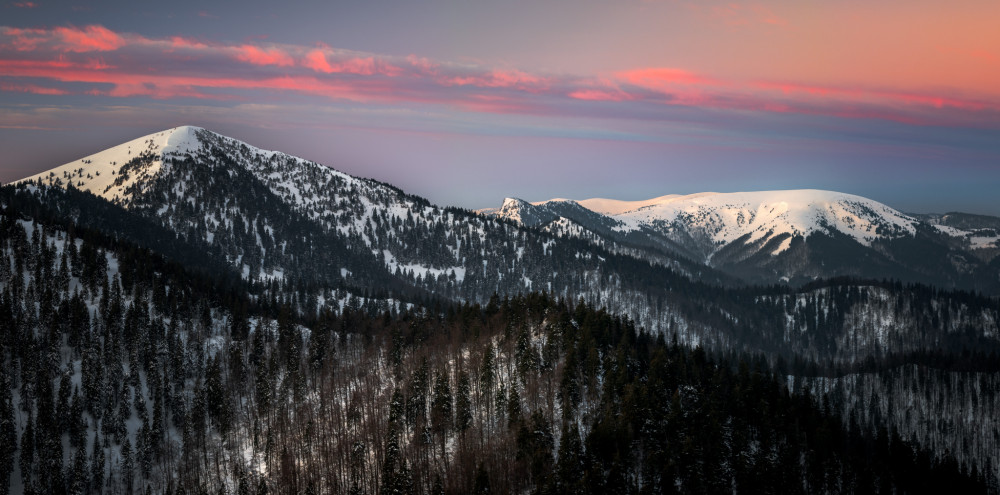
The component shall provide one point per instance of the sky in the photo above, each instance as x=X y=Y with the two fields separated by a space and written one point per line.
x=468 y=102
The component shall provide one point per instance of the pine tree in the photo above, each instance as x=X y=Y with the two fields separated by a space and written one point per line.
x=128 y=466
x=8 y=432
x=513 y=407
x=570 y=468
x=79 y=477
x=463 y=404
x=27 y=459
x=97 y=464
x=441 y=408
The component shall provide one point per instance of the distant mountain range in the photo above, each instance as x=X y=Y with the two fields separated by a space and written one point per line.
x=783 y=236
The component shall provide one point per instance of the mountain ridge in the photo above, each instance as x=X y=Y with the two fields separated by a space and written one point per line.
x=760 y=237
x=777 y=236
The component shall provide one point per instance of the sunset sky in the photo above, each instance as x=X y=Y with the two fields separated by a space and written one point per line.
x=467 y=102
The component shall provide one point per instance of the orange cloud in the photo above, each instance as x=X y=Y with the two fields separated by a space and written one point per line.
x=259 y=56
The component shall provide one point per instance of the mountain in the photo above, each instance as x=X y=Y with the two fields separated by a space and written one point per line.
x=789 y=236
x=275 y=222
x=215 y=190
x=194 y=270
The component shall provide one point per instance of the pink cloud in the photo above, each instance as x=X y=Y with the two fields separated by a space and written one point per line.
x=499 y=78
x=422 y=64
x=179 y=42
x=88 y=39
x=64 y=39
x=24 y=5
x=662 y=77
x=22 y=40
x=126 y=84
x=119 y=65
x=317 y=61
x=260 y=56
x=600 y=94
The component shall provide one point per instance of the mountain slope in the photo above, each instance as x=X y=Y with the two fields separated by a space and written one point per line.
x=126 y=374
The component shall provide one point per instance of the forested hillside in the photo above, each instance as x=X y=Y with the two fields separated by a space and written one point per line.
x=124 y=373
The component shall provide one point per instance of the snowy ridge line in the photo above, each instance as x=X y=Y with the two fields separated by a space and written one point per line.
x=761 y=215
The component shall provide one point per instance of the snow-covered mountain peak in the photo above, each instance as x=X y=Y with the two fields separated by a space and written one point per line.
x=183 y=139
x=759 y=216
x=708 y=222
x=121 y=172
x=512 y=202
x=113 y=172
x=512 y=209
x=726 y=217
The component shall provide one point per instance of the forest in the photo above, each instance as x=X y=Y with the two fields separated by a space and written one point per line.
x=125 y=373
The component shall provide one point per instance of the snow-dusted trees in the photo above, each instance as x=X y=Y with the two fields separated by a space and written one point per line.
x=133 y=372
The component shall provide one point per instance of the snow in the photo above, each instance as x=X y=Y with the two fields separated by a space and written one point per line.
x=723 y=218
x=511 y=209
x=952 y=231
x=613 y=207
x=977 y=239
x=547 y=245
x=764 y=214
x=422 y=270
x=785 y=244
x=983 y=242
x=98 y=172
x=182 y=140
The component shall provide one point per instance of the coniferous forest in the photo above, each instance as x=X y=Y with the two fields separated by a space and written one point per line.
x=124 y=373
